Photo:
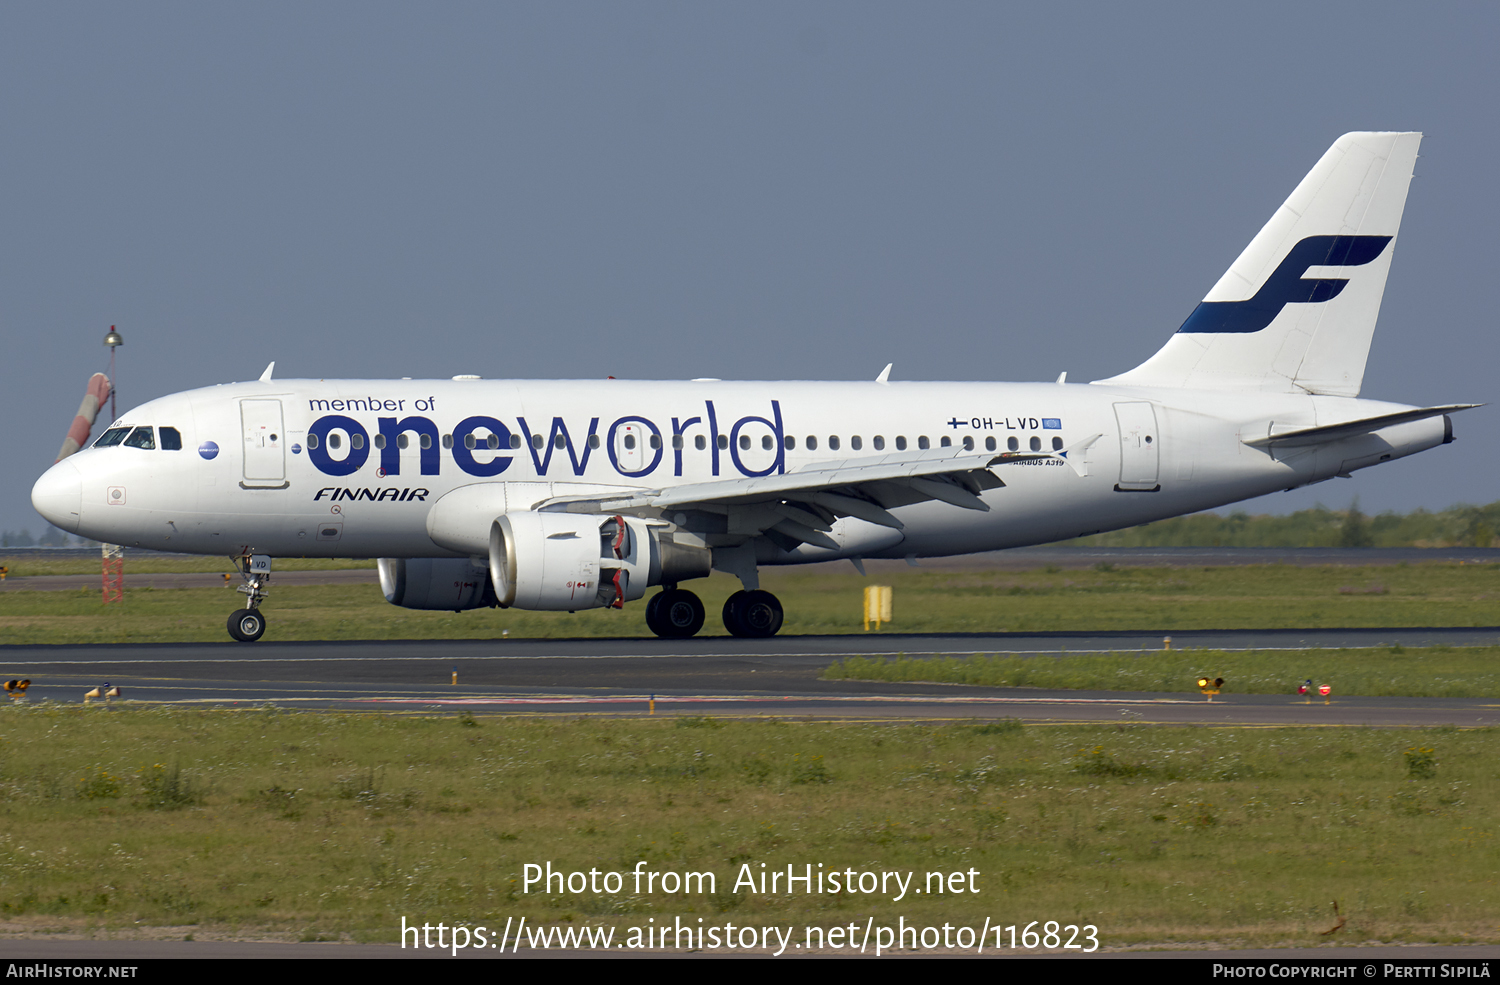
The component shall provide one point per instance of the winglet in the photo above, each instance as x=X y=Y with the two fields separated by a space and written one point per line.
x=1062 y=377
x=885 y=374
x=266 y=376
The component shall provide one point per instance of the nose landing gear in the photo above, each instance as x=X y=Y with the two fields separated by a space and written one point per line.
x=248 y=624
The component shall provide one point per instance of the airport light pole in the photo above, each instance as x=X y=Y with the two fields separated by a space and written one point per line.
x=114 y=341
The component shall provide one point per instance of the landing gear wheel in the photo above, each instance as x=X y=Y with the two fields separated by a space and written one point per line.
x=754 y=615
x=247 y=625
x=675 y=614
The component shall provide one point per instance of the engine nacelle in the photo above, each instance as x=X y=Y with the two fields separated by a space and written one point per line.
x=585 y=561
x=435 y=583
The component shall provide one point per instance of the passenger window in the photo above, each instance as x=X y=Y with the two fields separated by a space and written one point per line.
x=447 y=441
x=111 y=437
x=537 y=441
x=700 y=442
x=723 y=442
x=1012 y=444
x=1057 y=444
x=593 y=441
x=312 y=440
x=629 y=442
x=856 y=443
x=356 y=441
x=171 y=439
x=879 y=442
x=493 y=441
x=901 y=442
x=968 y=444
x=335 y=442
x=791 y=442
x=946 y=443
x=922 y=443
x=141 y=437
x=812 y=442
x=654 y=441
x=425 y=441
x=989 y=444
x=402 y=441
x=833 y=442
x=677 y=442
x=470 y=442
x=1036 y=443
x=559 y=442
x=744 y=442
x=766 y=443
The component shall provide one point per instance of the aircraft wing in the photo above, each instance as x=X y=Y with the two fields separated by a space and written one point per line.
x=801 y=506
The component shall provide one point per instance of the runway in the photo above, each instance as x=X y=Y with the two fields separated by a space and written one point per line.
x=720 y=676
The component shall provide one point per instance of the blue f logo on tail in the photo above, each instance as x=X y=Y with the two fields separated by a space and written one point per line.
x=1286 y=285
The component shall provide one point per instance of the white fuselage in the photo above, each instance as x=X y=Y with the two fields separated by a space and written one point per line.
x=292 y=468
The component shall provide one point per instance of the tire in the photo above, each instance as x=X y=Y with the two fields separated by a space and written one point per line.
x=753 y=615
x=675 y=614
x=247 y=625
x=732 y=606
x=652 y=605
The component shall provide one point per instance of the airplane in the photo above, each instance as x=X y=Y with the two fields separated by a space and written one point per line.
x=569 y=495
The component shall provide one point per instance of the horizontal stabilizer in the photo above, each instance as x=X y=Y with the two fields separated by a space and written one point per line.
x=1349 y=429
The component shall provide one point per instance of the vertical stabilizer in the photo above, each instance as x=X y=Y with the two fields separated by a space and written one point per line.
x=1296 y=311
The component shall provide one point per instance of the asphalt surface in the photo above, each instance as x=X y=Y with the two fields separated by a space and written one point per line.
x=779 y=677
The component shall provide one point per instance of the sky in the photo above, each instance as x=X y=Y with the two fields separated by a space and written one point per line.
x=764 y=190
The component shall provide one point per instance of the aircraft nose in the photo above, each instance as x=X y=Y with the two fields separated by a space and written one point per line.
x=58 y=496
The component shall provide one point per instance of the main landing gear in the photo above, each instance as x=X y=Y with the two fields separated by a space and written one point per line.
x=755 y=615
x=676 y=614
x=249 y=624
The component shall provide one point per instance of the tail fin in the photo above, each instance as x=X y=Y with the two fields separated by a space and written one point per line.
x=1296 y=311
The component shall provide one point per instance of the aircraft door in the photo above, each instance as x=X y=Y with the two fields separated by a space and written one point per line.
x=265 y=459
x=1140 y=447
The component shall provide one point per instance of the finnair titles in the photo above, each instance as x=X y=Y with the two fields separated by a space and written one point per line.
x=569 y=495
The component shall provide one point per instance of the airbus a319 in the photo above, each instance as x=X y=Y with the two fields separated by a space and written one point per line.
x=568 y=495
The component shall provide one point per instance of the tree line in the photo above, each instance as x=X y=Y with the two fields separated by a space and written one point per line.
x=1458 y=526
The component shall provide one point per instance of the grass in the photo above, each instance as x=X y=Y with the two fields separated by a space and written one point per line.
x=1103 y=599
x=1422 y=672
x=153 y=563
x=322 y=825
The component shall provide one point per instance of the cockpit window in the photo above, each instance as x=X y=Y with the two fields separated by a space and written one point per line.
x=171 y=439
x=141 y=437
x=111 y=437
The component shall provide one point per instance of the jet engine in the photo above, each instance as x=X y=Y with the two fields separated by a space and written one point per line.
x=576 y=561
x=436 y=583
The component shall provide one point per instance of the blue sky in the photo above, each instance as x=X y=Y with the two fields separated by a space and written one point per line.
x=751 y=191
